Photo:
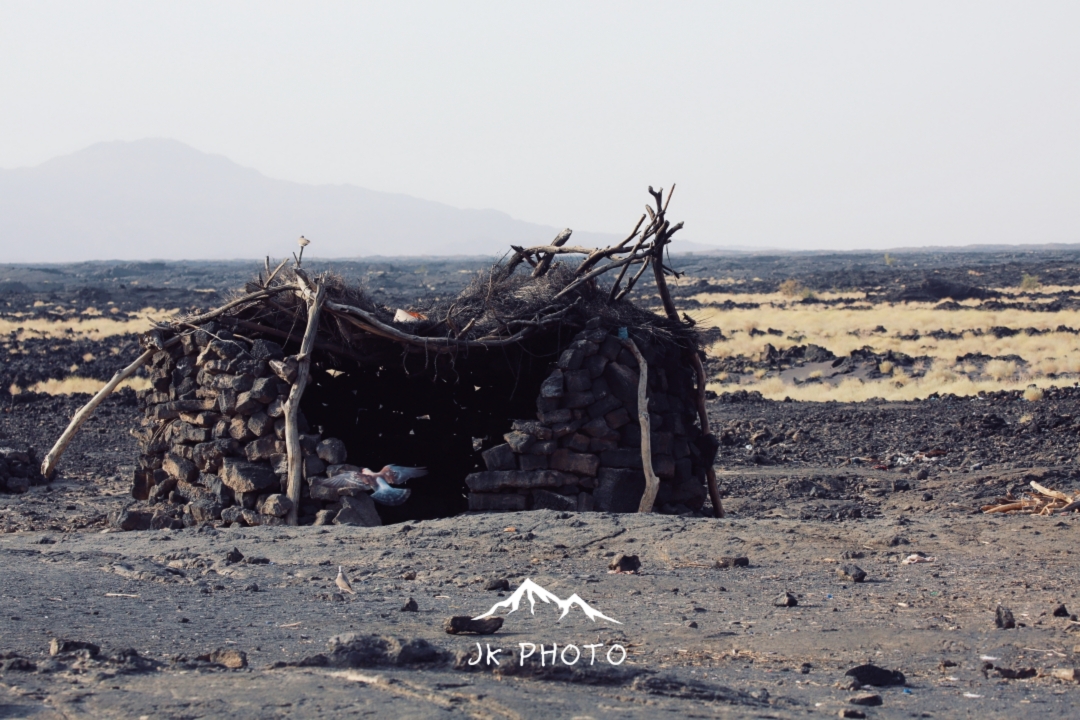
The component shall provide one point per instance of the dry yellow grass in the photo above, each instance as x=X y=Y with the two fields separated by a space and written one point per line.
x=1053 y=358
x=94 y=328
x=854 y=390
x=75 y=384
x=831 y=327
x=1034 y=394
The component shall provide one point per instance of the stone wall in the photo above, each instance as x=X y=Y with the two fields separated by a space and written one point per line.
x=583 y=450
x=212 y=440
x=213 y=449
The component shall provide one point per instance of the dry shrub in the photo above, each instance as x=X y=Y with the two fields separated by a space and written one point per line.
x=816 y=375
x=1034 y=394
x=722 y=377
x=792 y=288
x=760 y=373
x=885 y=367
x=88 y=357
x=1026 y=418
x=1030 y=282
x=1000 y=369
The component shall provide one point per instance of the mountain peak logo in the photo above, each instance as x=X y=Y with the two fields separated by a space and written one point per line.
x=534 y=592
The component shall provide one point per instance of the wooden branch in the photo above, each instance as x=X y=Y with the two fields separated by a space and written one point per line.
x=319 y=345
x=292 y=405
x=270 y=277
x=662 y=239
x=633 y=281
x=614 y=288
x=613 y=250
x=703 y=418
x=652 y=482
x=268 y=292
x=48 y=466
x=545 y=262
x=369 y=322
x=601 y=270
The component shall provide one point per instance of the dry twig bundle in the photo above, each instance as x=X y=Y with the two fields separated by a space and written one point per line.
x=1043 y=502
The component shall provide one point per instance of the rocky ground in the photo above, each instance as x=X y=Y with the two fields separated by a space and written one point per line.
x=173 y=623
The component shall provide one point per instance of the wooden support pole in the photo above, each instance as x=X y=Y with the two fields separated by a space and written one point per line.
x=292 y=405
x=703 y=418
x=48 y=466
x=652 y=482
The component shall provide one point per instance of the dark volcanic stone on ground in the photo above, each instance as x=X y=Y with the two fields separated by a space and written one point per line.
x=871 y=674
x=465 y=624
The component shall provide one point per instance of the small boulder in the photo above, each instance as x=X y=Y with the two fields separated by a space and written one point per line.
x=870 y=674
x=332 y=451
x=232 y=659
x=854 y=573
x=866 y=699
x=277 y=505
x=785 y=600
x=465 y=624
x=625 y=564
x=731 y=562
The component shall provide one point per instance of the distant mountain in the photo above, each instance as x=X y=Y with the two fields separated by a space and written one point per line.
x=161 y=199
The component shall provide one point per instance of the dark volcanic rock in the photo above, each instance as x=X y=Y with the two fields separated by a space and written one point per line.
x=870 y=674
x=465 y=624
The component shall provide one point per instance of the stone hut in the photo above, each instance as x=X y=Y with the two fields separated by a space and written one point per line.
x=521 y=393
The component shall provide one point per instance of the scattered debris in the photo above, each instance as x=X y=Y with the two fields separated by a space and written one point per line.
x=918 y=558
x=1003 y=618
x=1044 y=502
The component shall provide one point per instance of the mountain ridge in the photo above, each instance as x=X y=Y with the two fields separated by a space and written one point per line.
x=161 y=199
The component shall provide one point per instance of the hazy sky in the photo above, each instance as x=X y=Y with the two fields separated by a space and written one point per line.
x=785 y=124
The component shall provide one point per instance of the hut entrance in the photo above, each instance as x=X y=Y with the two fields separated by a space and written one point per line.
x=439 y=413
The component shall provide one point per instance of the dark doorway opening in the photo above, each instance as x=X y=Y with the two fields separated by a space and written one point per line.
x=439 y=412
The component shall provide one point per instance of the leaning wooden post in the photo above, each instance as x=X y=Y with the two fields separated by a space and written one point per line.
x=652 y=483
x=703 y=418
x=48 y=466
x=292 y=405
